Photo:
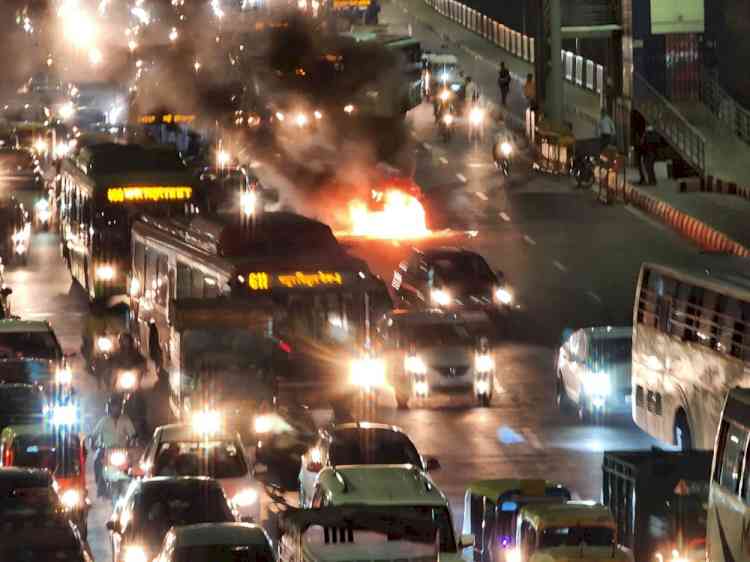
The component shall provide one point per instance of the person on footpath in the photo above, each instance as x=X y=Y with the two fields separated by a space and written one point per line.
x=529 y=91
x=605 y=130
x=503 y=82
x=651 y=140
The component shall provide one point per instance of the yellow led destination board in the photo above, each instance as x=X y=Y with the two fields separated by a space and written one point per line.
x=166 y=118
x=140 y=194
x=261 y=281
x=350 y=3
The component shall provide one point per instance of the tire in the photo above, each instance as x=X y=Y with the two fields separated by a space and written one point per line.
x=683 y=438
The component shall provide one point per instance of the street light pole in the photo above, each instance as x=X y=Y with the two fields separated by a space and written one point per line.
x=548 y=60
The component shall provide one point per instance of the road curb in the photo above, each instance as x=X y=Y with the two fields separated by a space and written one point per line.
x=696 y=230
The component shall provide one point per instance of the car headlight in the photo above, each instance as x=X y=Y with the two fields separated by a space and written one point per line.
x=368 y=372
x=206 y=421
x=245 y=497
x=503 y=295
x=127 y=380
x=597 y=384
x=135 y=554
x=71 y=498
x=414 y=365
x=484 y=363
x=318 y=115
x=104 y=344
x=64 y=376
x=482 y=387
x=280 y=116
x=506 y=148
x=349 y=109
x=440 y=297
x=105 y=273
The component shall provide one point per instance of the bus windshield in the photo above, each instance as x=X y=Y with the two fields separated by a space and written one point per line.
x=574 y=536
x=129 y=159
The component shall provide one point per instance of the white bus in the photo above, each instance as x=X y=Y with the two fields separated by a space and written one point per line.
x=691 y=344
x=728 y=533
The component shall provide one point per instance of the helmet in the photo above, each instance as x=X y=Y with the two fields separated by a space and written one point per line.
x=114 y=405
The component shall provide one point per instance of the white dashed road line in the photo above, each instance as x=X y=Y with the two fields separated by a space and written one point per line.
x=461 y=178
x=505 y=217
x=481 y=195
x=443 y=159
x=529 y=240
x=594 y=296
x=559 y=266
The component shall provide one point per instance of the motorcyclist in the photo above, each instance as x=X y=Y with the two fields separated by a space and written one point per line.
x=113 y=430
x=125 y=357
x=501 y=137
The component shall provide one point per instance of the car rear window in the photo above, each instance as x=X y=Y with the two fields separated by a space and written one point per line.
x=372 y=446
x=460 y=267
x=217 y=459
x=47 y=453
x=35 y=345
x=224 y=553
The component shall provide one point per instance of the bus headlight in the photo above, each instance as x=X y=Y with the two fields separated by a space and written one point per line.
x=105 y=273
x=71 y=498
x=414 y=365
x=368 y=372
x=440 y=297
x=245 y=497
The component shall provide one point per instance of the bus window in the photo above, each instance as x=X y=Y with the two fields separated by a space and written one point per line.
x=733 y=326
x=150 y=281
x=184 y=281
x=685 y=311
x=197 y=291
x=708 y=328
x=211 y=290
x=732 y=445
x=139 y=256
x=162 y=282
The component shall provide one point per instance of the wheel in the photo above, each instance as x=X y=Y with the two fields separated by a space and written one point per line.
x=683 y=439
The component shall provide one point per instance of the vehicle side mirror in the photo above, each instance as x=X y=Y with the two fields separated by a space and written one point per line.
x=466 y=541
x=113 y=526
x=431 y=464
x=6 y=291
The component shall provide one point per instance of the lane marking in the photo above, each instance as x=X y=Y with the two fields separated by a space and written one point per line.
x=559 y=266
x=594 y=296
x=427 y=146
x=481 y=195
x=443 y=159
x=505 y=217
x=529 y=240
x=461 y=178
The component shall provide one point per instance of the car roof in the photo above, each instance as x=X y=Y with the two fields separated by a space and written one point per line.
x=25 y=477
x=495 y=489
x=12 y=326
x=220 y=533
x=364 y=425
x=156 y=482
x=609 y=332
x=185 y=432
x=568 y=513
x=380 y=485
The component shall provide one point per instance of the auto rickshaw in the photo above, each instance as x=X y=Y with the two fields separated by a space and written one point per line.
x=57 y=450
x=491 y=508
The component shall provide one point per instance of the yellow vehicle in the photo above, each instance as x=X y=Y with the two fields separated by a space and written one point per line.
x=584 y=531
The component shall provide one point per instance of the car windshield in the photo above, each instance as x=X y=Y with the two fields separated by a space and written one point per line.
x=612 y=350
x=217 y=459
x=575 y=536
x=372 y=446
x=36 y=345
x=21 y=400
x=435 y=335
x=224 y=553
x=462 y=267
x=60 y=458
x=15 y=161
x=177 y=503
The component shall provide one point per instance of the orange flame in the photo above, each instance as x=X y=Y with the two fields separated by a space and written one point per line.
x=400 y=216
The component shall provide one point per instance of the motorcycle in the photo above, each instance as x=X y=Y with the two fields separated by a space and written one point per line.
x=116 y=472
x=502 y=156
x=445 y=125
x=582 y=170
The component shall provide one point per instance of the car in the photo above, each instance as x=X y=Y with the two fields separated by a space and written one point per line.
x=358 y=443
x=448 y=277
x=22 y=404
x=208 y=542
x=28 y=498
x=593 y=371
x=430 y=351
x=44 y=541
x=151 y=506
x=400 y=491
x=15 y=231
x=30 y=353
x=180 y=450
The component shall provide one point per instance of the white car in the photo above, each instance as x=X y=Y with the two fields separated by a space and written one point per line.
x=181 y=450
x=206 y=542
x=357 y=444
x=593 y=370
x=437 y=351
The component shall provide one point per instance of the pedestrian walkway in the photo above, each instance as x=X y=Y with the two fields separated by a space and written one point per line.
x=483 y=61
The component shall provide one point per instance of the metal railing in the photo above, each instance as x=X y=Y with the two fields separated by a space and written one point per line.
x=578 y=71
x=724 y=107
x=670 y=123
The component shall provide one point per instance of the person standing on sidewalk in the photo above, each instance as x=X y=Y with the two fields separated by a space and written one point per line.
x=503 y=82
x=606 y=130
x=529 y=91
x=637 y=130
x=651 y=141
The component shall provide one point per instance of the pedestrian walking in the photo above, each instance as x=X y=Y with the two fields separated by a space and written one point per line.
x=503 y=82
x=651 y=141
x=605 y=130
x=529 y=91
x=472 y=91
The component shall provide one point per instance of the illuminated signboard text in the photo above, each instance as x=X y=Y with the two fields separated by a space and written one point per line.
x=166 y=118
x=148 y=193
x=259 y=281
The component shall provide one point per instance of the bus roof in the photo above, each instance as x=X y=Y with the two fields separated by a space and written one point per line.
x=568 y=514
x=497 y=488
x=717 y=272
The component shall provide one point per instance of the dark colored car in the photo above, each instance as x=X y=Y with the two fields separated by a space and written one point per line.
x=21 y=404
x=450 y=278
x=152 y=506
